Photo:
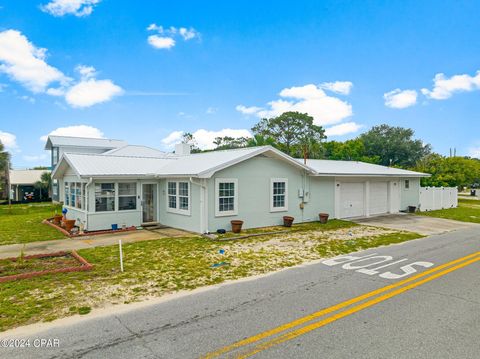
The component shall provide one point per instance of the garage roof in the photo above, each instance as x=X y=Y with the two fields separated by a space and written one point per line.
x=25 y=177
x=356 y=168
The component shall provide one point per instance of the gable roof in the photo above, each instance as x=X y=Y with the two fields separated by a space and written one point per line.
x=202 y=165
x=70 y=141
x=25 y=177
x=356 y=168
x=137 y=151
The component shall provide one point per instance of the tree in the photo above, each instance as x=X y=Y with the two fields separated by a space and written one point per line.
x=187 y=137
x=227 y=142
x=395 y=146
x=4 y=172
x=45 y=184
x=261 y=140
x=294 y=133
x=350 y=150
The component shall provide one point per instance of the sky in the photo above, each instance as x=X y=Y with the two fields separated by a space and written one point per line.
x=147 y=71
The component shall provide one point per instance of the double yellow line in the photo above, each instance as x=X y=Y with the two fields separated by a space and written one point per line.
x=291 y=330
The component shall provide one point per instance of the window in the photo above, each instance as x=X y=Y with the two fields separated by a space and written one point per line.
x=226 y=191
x=74 y=194
x=178 y=200
x=104 y=197
x=127 y=196
x=67 y=194
x=407 y=184
x=55 y=187
x=54 y=156
x=279 y=194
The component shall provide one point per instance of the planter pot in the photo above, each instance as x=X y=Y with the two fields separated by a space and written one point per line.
x=57 y=219
x=323 y=217
x=288 y=221
x=236 y=226
x=412 y=209
x=68 y=224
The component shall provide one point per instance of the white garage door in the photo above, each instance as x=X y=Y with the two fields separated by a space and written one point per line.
x=378 y=199
x=352 y=200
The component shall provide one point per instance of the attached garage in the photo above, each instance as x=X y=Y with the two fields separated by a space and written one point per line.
x=352 y=199
x=378 y=198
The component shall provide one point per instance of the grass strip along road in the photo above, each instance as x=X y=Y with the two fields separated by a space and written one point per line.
x=245 y=348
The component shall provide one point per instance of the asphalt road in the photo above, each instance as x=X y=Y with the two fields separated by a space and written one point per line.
x=436 y=315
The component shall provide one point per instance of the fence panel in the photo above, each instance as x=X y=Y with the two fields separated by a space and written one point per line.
x=433 y=198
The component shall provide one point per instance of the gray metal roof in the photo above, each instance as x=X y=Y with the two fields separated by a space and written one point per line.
x=356 y=168
x=137 y=151
x=66 y=141
x=25 y=177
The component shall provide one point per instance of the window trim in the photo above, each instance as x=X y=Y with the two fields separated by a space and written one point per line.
x=177 y=210
x=115 y=196
x=219 y=213
x=118 y=195
x=278 y=209
x=67 y=195
x=405 y=186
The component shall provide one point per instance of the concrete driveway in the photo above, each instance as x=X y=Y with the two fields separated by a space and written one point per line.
x=418 y=224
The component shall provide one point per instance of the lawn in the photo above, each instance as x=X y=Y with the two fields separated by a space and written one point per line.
x=155 y=268
x=468 y=210
x=22 y=223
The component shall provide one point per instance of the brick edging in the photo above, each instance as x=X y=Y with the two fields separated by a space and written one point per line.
x=85 y=266
x=94 y=233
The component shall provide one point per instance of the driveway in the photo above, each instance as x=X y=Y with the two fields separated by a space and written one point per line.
x=418 y=224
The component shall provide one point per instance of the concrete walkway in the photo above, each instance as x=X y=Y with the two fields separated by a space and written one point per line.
x=103 y=240
x=419 y=224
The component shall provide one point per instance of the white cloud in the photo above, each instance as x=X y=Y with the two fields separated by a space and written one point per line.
x=310 y=99
x=9 y=140
x=34 y=158
x=161 y=42
x=90 y=91
x=204 y=138
x=69 y=7
x=474 y=152
x=76 y=131
x=27 y=98
x=165 y=37
x=400 y=98
x=248 y=110
x=211 y=110
x=3 y=87
x=444 y=88
x=25 y=63
x=342 y=129
x=341 y=87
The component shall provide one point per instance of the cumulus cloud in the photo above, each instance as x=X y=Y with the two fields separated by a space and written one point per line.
x=34 y=158
x=342 y=129
x=75 y=131
x=340 y=87
x=9 y=140
x=474 y=152
x=311 y=99
x=165 y=37
x=444 y=87
x=25 y=63
x=400 y=98
x=204 y=138
x=90 y=92
x=78 y=8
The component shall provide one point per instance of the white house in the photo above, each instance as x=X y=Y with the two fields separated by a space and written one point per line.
x=137 y=185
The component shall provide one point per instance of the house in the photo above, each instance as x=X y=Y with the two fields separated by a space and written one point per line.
x=203 y=192
x=22 y=185
x=58 y=145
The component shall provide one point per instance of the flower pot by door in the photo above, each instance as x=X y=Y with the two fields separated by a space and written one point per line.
x=69 y=224
x=288 y=221
x=236 y=226
x=323 y=217
x=57 y=219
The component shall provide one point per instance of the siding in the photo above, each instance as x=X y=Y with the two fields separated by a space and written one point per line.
x=410 y=196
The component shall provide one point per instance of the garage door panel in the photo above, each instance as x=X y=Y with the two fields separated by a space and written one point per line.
x=378 y=198
x=352 y=199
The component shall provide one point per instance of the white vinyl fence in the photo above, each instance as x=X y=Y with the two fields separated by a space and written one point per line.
x=433 y=198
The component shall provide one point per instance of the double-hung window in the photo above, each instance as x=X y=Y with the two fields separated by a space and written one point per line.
x=127 y=196
x=278 y=194
x=104 y=197
x=178 y=193
x=226 y=197
x=67 y=194
x=407 y=184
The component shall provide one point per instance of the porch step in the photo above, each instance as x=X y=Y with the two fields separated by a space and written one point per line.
x=154 y=226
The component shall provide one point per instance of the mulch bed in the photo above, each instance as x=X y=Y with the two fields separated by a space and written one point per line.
x=15 y=268
x=49 y=221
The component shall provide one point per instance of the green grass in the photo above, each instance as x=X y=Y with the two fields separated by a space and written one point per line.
x=158 y=267
x=22 y=223
x=468 y=210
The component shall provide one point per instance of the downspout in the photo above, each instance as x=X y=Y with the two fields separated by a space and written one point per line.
x=90 y=180
x=203 y=206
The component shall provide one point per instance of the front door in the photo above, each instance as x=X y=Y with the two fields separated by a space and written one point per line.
x=149 y=202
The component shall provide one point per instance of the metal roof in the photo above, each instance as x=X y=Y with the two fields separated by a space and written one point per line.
x=356 y=168
x=26 y=177
x=137 y=151
x=69 y=141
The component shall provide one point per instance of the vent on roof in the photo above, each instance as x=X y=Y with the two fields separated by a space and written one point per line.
x=182 y=149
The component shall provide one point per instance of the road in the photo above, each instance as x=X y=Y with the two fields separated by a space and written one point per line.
x=424 y=305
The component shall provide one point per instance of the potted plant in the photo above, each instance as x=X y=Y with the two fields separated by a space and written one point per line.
x=57 y=218
x=236 y=225
x=68 y=224
x=323 y=217
x=288 y=221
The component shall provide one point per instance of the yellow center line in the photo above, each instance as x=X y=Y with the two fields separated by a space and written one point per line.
x=331 y=309
x=301 y=331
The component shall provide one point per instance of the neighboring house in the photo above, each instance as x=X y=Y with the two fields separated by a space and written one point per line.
x=22 y=185
x=58 y=145
x=203 y=192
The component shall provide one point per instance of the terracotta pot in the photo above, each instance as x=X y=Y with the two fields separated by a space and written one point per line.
x=57 y=219
x=236 y=226
x=288 y=221
x=323 y=217
x=68 y=224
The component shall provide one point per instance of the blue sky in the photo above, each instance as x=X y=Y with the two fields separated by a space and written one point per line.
x=144 y=71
